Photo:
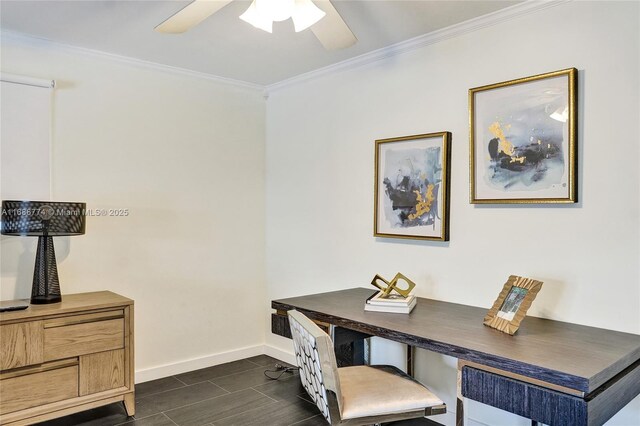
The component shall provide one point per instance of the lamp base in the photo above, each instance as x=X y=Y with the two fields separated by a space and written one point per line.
x=43 y=300
x=46 y=286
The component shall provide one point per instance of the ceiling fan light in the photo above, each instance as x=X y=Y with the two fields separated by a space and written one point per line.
x=275 y=10
x=255 y=18
x=305 y=14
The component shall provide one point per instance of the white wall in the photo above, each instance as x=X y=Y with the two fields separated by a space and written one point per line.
x=185 y=156
x=25 y=135
x=320 y=179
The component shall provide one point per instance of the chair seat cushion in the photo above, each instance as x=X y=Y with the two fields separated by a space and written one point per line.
x=380 y=390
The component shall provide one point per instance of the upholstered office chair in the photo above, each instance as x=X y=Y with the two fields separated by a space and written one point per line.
x=357 y=395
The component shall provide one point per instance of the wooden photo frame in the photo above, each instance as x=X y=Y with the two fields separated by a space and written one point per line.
x=411 y=187
x=512 y=304
x=523 y=140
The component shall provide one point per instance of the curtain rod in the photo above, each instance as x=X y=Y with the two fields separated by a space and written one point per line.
x=29 y=81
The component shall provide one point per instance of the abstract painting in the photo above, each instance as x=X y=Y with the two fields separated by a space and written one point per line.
x=412 y=187
x=523 y=147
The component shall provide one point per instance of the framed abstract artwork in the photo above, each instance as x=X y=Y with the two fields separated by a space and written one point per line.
x=411 y=192
x=512 y=304
x=523 y=140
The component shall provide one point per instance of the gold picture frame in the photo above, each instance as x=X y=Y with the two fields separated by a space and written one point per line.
x=523 y=140
x=512 y=304
x=411 y=187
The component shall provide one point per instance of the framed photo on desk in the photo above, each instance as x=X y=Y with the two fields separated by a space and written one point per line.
x=512 y=304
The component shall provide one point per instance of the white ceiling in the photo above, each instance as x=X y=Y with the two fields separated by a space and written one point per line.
x=225 y=46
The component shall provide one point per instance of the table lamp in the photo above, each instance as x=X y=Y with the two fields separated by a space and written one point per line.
x=45 y=220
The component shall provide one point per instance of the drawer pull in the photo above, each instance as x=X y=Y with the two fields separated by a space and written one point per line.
x=54 y=365
x=81 y=319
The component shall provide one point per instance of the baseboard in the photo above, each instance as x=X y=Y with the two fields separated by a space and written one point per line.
x=166 y=370
x=282 y=355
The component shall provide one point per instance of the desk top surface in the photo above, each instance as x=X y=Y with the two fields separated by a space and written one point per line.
x=566 y=354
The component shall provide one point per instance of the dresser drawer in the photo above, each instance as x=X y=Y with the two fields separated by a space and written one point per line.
x=65 y=341
x=32 y=389
x=102 y=371
x=22 y=344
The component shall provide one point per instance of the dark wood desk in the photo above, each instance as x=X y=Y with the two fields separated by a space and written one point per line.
x=551 y=372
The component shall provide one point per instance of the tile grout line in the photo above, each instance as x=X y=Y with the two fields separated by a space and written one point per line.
x=164 y=391
x=202 y=400
x=140 y=418
x=169 y=418
x=303 y=398
x=168 y=390
x=220 y=387
x=137 y=418
x=210 y=381
x=175 y=377
x=274 y=359
x=262 y=393
x=226 y=375
x=304 y=420
x=186 y=405
x=182 y=385
x=234 y=374
x=246 y=411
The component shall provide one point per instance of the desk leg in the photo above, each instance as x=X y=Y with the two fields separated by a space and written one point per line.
x=459 y=400
x=411 y=370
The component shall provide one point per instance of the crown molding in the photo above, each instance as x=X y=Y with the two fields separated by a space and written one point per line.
x=515 y=11
x=29 y=40
x=506 y=14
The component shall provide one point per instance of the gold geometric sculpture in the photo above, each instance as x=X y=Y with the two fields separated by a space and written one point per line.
x=393 y=285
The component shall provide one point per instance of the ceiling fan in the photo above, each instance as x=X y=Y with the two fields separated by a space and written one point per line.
x=321 y=16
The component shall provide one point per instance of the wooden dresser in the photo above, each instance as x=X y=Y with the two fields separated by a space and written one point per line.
x=66 y=357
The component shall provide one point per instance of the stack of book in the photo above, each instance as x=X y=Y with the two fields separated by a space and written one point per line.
x=393 y=303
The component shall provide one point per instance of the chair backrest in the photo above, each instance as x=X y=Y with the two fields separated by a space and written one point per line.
x=317 y=362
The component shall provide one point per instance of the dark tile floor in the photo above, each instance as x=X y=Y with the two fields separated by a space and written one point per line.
x=236 y=393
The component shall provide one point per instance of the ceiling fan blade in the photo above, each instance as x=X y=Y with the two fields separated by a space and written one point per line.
x=191 y=15
x=331 y=30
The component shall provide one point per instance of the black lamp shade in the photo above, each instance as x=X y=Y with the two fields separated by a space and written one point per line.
x=45 y=220
x=42 y=218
